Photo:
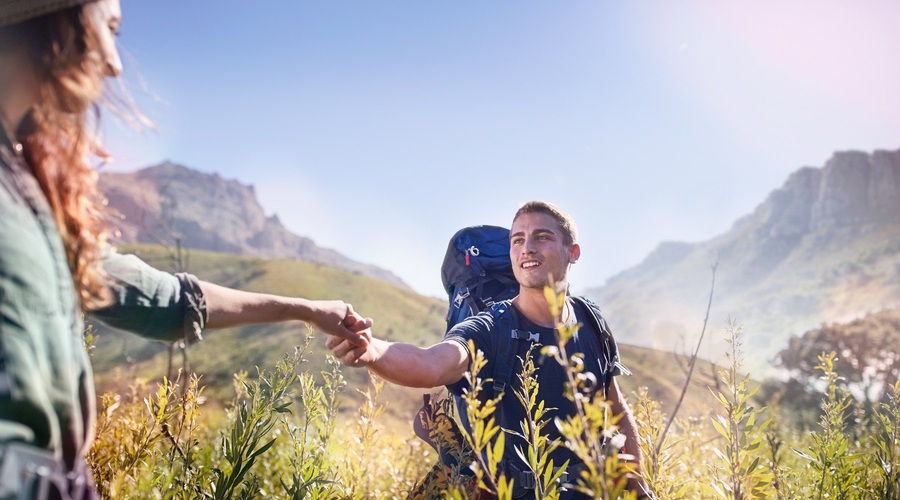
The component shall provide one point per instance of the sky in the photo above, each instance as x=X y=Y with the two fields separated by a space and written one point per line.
x=379 y=128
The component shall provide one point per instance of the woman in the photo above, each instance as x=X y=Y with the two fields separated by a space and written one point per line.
x=54 y=259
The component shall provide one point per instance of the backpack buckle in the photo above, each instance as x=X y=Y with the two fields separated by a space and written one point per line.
x=526 y=479
x=523 y=335
x=460 y=297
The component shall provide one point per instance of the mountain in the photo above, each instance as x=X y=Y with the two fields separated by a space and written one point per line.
x=207 y=212
x=825 y=247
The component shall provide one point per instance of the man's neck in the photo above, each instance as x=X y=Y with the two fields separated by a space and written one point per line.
x=532 y=303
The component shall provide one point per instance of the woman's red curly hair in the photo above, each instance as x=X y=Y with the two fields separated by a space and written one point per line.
x=59 y=142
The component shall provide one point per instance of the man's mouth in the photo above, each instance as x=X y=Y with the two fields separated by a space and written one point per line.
x=530 y=264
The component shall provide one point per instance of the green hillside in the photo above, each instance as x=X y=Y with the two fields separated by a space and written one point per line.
x=399 y=314
x=663 y=373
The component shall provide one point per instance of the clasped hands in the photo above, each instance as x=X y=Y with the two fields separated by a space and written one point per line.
x=340 y=322
x=351 y=340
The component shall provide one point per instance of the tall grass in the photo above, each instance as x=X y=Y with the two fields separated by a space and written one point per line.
x=278 y=438
x=740 y=473
x=284 y=435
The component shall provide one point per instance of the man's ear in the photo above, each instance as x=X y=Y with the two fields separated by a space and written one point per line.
x=574 y=253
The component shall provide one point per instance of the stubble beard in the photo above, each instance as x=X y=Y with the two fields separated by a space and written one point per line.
x=539 y=281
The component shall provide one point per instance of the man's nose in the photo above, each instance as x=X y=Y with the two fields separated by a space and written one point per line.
x=528 y=246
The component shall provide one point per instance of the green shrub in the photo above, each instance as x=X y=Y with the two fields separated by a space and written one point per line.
x=740 y=474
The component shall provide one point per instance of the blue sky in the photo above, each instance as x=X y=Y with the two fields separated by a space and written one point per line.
x=379 y=128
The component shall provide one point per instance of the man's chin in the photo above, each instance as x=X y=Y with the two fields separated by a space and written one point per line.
x=535 y=284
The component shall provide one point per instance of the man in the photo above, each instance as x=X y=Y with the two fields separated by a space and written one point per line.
x=542 y=247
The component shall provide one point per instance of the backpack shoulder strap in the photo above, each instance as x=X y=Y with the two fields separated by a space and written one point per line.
x=505 y=357
x=599 y=324
x=507 y=321
x=605 y=340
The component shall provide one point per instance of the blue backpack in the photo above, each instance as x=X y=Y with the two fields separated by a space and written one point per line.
x=477 y=272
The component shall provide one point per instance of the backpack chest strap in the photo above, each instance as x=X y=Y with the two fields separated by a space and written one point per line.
x=524 y=335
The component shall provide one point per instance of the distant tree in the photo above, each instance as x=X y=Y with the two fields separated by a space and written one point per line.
x=795 y=399
x=868 y=358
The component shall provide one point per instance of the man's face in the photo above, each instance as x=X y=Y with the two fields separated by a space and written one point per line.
x=104 y=17
x=537 y=250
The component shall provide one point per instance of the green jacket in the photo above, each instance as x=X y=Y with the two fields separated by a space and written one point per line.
x=47 y=394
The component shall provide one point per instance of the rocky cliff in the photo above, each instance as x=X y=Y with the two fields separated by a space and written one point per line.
x=824 y=247
x=207 y=212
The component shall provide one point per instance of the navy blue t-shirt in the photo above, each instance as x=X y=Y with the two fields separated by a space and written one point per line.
x=483 y=331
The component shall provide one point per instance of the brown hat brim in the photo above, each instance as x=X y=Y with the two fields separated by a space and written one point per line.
x=17 y=11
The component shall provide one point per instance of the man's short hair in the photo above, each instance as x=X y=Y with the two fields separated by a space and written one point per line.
x=565 y=221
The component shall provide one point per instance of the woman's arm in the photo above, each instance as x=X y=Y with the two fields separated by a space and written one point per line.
x=229 y=307
x=163 y=306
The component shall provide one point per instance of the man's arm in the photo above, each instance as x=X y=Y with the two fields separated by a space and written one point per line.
x=406 y=364
x=628 y=428
x=229 y=307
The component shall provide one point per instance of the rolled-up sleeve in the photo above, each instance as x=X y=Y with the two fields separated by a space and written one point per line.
x=152 y=303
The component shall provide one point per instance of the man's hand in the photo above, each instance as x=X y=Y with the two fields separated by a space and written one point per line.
x=350 y=354
x=338 y=319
